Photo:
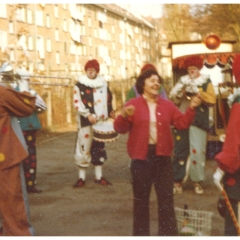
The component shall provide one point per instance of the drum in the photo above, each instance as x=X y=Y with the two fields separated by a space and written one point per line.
x=103 y=131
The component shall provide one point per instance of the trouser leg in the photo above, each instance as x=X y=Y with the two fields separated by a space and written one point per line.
x=181 y=153
x=14 y=203
x=163 y=183
x=141 y=184
x=198 y=142
x=30 y=163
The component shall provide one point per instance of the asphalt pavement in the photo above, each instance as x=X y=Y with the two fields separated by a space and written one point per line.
x=61 y=210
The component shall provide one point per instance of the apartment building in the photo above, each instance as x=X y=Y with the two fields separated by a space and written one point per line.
x=58 y=39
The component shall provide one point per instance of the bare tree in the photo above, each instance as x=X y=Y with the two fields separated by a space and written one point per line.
x=177 y=21
x=222 y=19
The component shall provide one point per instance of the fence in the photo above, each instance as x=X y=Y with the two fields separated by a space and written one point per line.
x=57 y=92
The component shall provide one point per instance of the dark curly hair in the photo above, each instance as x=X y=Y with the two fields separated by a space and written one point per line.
x=142 y=77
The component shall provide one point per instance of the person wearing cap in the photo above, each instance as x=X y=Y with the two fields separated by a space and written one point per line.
x=190 y=145
x=227 y=174
x=30 y=125
x=93 y=102
x=133 y=91
x=147 y=120
x=14 y=205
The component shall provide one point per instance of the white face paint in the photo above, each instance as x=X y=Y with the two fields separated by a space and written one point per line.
x=193 y=72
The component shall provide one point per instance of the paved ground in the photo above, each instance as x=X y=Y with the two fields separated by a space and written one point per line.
x=61 y=210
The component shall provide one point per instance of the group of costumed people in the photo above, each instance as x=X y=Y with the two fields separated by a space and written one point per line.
x=189 y=154
x=151 y=121
x=187 y=111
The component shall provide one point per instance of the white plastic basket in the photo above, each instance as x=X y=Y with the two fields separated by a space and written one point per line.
x=193 y=223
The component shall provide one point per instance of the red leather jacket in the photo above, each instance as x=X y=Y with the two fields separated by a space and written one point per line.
x=167 y=115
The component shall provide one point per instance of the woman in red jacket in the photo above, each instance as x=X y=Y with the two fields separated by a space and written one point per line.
x=148 y=119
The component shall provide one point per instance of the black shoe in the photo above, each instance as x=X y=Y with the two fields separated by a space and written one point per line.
x=79 y=183
x=103 y=181
x=33 y=189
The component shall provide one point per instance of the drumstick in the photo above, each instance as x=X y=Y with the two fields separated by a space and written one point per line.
x=229 y=207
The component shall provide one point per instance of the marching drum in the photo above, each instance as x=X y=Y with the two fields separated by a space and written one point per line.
x=103 y=131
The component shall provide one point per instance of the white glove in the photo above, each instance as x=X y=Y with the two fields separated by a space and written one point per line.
x=33 y=92
x=217 y=178
x=39 y=102
x=192 y=88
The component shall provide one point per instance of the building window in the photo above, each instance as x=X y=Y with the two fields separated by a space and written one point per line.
x=30 y=42
x=90 y=41
x=89 y=22
x=65 y=25
x=48 y=21
x=20 y=14
x=56 y=35
x=3 y=39
x=100 y=24
x=22 y=41
x=56 y=11
x=49 y=45
x=72 y=47
x=29 y=16
x=12 y=58
x=30 y=66
x=40 y=47
x=3 y=10
x=64 y=6
x=39 y=18
x=10 y=27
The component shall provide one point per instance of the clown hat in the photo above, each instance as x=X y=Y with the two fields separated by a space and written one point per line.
x=92 y=64
x=194 y=60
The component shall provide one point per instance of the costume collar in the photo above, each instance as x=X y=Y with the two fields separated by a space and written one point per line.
x=199 y=81
x=93 y=83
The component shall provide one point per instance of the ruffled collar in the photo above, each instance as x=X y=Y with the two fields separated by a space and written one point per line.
x=231 y=97
x=93 y=83
x=199 y=81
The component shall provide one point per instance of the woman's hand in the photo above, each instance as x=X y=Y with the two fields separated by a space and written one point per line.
x=128 y=111
x=195 y=101
x=92 y=119
x=112 y=114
